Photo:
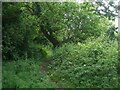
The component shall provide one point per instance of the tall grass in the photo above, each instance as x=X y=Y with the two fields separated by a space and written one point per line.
x=25 y=74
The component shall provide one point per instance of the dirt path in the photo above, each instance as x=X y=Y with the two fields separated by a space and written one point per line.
x=44 y=66
x=44 y=69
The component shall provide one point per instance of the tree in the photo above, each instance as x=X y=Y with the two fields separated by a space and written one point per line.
x=48 y=23
x=71 y=21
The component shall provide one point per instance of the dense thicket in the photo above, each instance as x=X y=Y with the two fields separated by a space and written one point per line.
x=48 y=23
x=79 y=41
x=86 y=65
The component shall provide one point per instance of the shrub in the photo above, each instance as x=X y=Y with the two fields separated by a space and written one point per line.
x=92 y=64
x=24 y=74
x=39 y=51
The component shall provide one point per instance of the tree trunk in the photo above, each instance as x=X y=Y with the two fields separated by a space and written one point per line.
x=49 y=36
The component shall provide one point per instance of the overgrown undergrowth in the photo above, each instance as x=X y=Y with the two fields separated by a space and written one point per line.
x=25 y=74
x=92 y=64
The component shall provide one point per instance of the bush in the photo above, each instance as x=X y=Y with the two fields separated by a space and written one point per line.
x=92 y=64
x=24 y=74
x=39 y=51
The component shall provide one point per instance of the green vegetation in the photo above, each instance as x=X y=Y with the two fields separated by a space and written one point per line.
x=25 y=74
x=59 y=45
x=89 y=65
